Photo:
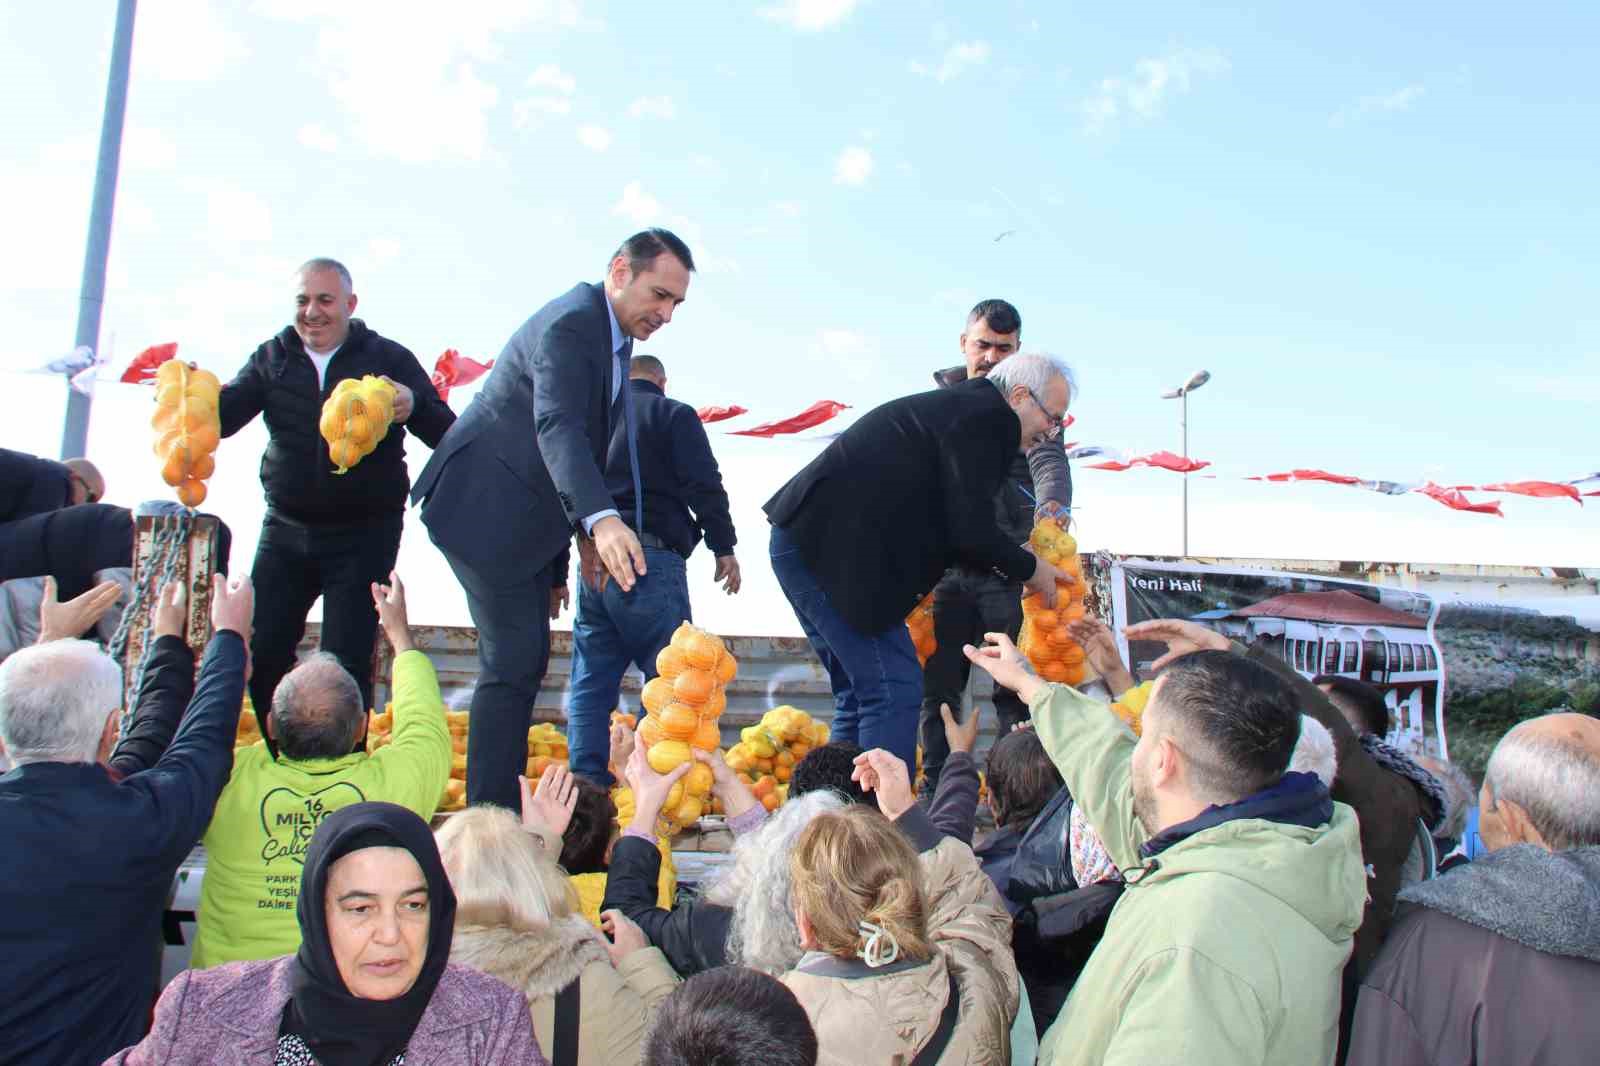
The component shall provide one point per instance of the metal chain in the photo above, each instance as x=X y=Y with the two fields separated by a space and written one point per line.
x=169 y=544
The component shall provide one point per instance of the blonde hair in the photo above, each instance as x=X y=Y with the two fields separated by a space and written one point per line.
x=853 y=867
x=502 y=877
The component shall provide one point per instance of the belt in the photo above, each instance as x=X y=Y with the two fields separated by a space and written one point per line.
x=650 y=540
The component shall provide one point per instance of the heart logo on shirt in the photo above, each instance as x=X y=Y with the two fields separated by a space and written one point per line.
x=289 y=818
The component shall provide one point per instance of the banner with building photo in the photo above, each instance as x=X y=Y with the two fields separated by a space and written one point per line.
x=1319 y=625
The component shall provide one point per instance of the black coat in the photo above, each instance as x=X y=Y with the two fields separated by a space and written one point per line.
x=693 y=937
x=902 y=495
x=522 y=467
x=92 y=866
x=280 y=383
x=683 y=493
x=164 y=692
x=30 y=485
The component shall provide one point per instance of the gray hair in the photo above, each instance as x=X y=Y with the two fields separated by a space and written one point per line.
x=756 y=886
x=1314 y=752
x=1034 y=371
x=1460 y=795
x=55 y=699
x=316 y=710
x=1555 y=780
x=323 y=263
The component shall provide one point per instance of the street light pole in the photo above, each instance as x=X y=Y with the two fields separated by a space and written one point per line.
x=92 y=293
x=1199 y=378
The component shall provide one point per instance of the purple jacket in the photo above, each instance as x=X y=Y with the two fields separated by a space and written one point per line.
x=229 y=1015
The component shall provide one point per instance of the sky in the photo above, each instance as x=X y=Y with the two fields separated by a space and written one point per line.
x=1374 y=224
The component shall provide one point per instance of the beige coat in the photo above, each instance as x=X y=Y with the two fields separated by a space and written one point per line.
x=886 y=1017
x=617 y=1003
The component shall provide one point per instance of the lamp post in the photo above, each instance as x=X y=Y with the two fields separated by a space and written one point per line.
x=1182 y=393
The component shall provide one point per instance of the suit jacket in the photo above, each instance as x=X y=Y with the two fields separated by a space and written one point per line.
x=522 y=465
x=900 y=496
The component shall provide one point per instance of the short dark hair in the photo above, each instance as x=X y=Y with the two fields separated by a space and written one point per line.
x=731 y=1016
x=648 y=365
x=324 y=263
x=998 y=316
x=1021 y=779
x=828 y=766
x=1360 y=699
x=643 y=247
x=1235 y=720
x=316 y=710
x=583 y=845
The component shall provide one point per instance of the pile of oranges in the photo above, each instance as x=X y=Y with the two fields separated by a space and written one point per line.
x=188 y=428
x=356 y=418
x=1046 y=639
x=684 y=701
x=767 y=751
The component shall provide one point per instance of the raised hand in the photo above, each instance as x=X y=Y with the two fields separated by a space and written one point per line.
x=390 y=600
x=1100 y=648
x=62 y=621
x=960 y=736
x=1001 y=660
x=1181 y=638
x=886 y=776
x=551 y=803
x=233 y=603
x=171 y=615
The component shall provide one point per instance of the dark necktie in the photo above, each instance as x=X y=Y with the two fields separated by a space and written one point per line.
x=633 y=437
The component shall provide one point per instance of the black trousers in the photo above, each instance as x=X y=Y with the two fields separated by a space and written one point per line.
x=512 y=613
x=295 y=563
x=966 y=605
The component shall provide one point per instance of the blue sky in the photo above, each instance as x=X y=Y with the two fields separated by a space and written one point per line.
x=1374 y=224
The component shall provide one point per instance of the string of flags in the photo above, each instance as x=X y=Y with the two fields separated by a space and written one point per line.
x=452 y=369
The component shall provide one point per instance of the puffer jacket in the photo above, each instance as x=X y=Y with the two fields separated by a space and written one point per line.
x=280 y=384
x=886 y=1015
x=1228 y=942
x=616 y=1003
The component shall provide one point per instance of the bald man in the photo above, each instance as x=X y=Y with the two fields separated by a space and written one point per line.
x=1499 y=960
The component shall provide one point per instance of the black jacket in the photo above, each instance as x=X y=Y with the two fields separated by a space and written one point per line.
x=901 y=496
x=280 y=383
x=92 y=866
x=164 y=692
x=683 y=493
x=30 y=485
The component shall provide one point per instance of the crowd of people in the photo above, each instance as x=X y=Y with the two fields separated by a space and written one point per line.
x=1253 y=876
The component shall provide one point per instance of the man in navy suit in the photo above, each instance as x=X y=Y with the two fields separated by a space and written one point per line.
x=521 y=471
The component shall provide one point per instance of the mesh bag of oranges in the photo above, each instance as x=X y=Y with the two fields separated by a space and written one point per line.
x=920 y=625
x=684 y=701
x=356 y=418
x=187 y=427
x=1046 y=639
x=768 y=751
x=1130 y=706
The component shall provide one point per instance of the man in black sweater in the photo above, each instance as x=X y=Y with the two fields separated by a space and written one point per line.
x=683 y=501
x=325 y=534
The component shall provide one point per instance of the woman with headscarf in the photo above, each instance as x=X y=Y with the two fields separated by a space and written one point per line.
x=371 y=985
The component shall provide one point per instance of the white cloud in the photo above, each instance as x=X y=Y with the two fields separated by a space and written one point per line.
x=594 y=138
x=550 y=76
x=789 y=208
x=523 y=112
x=1383 y=103
x=637 y=205
x=957 y=58
x=853 y=167
x=184 y=41
x=808 y=16
x=235 y=215
x=407 y=74
x=318 y=138
x=1142 y=93
x=653 y=107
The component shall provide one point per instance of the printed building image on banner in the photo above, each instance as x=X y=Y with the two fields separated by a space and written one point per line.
x=1383 y=636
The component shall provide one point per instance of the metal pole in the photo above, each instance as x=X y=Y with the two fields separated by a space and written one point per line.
x=1185 y=422
x=91 y=295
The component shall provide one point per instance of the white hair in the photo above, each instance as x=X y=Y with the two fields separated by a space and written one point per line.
x=1314 y=752
x=54 y=701
x=1554 y=779
x=756 y=886
x=1034 y=371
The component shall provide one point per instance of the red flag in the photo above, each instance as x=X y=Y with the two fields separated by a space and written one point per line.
x=452 y=369
x=718 y=414
x=1529 y=488
x=814 y=415
x=1309 y=475
x=1453 y=499
x=142 y=371
x=1165 y=460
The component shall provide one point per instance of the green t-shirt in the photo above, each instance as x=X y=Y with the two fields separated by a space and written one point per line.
x=257 y=840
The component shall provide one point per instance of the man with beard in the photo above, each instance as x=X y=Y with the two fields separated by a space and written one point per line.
x=1244 y=881
x=325 y=534
x=969 y=602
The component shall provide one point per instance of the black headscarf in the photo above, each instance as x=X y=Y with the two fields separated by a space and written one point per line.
x=339 y=1028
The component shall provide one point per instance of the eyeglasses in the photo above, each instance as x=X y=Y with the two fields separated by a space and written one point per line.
x=1055 y=420
x=89 y=495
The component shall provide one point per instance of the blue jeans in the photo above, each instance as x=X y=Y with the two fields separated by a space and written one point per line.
x=876 y=680
x=612 y=629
